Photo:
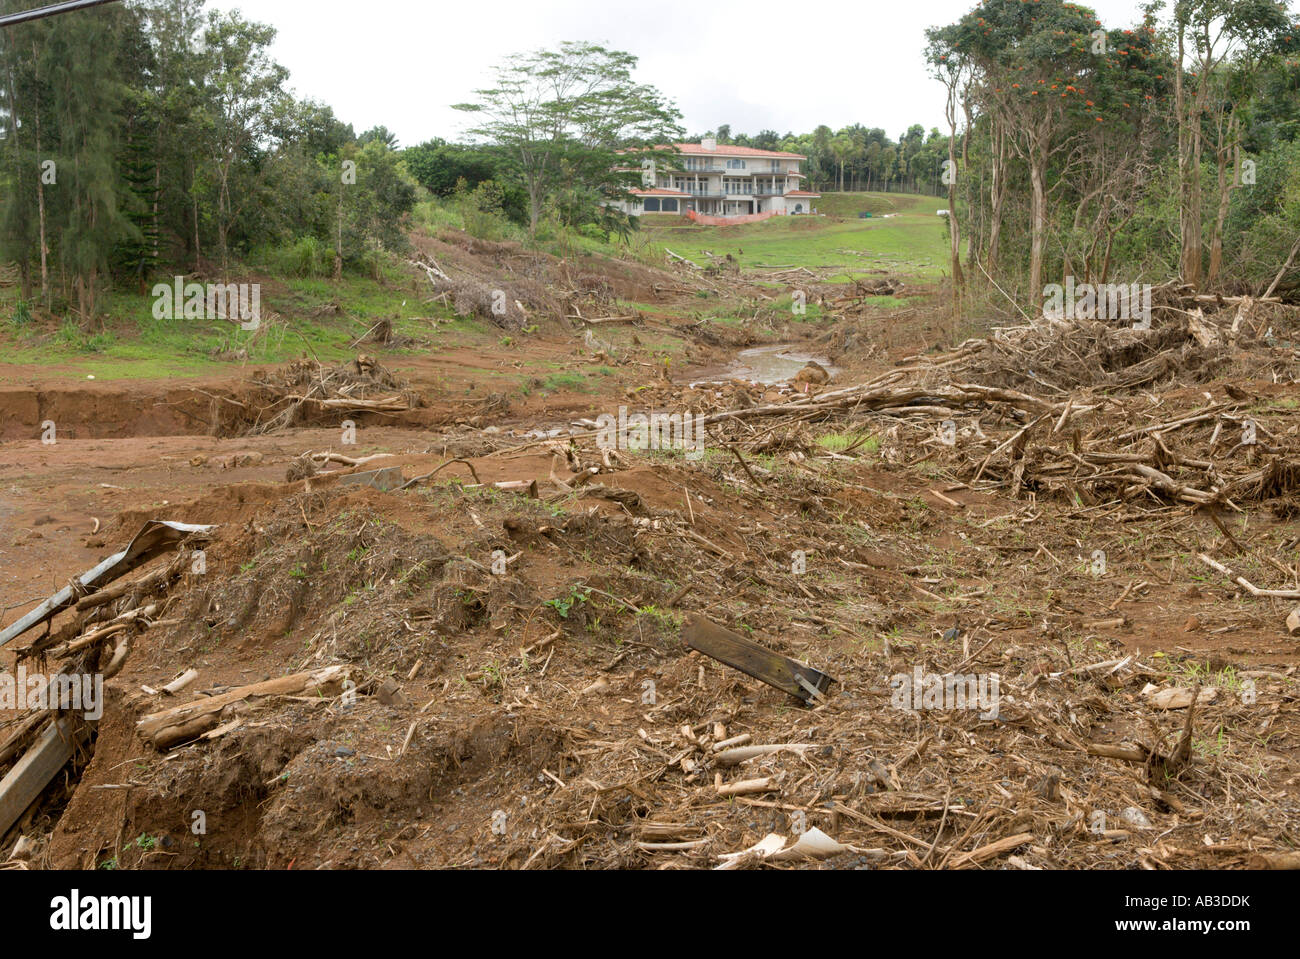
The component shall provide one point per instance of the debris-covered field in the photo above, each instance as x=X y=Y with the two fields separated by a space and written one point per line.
x=1020 y=602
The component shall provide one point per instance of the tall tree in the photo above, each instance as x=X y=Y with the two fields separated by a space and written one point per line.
x=563 y=114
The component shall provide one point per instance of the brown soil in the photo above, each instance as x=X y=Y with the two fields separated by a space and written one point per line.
x=594 y=747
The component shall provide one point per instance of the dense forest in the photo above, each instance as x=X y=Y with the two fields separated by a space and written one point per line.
x=1168 y=147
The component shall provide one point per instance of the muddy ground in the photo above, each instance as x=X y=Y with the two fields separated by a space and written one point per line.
x=520 y=694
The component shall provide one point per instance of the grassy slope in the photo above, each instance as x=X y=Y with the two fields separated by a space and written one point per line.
x=298 y=316
x=134 y=345
x=913 y=242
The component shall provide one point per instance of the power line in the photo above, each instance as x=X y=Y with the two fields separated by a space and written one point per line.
x=52 y=10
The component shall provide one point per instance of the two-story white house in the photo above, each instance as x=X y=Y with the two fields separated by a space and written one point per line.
x=721 y=180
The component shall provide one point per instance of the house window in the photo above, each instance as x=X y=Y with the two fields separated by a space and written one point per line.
x=652 y=204
x=735 y=164
x=670 y=205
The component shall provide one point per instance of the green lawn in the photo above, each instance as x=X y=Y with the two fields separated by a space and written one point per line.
x=913 y=242
x=299 y=316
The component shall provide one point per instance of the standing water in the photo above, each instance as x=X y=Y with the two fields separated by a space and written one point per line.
x=773 y=364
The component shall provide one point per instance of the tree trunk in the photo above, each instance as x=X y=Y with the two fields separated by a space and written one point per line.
x=40 y=202
x=1189 y=173
x=954 y=228
x=997 y=193
x=1226 y=147
x=1037 y=175
x=338 y=246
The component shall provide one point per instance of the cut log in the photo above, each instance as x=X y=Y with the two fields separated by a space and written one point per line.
x=183 y=723
x=992 y=850
x=743 y=754
x=747 y=786
x=180 y=682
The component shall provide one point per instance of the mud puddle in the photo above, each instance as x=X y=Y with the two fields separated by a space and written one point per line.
x=768 y=365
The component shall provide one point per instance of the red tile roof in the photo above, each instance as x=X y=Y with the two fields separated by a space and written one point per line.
x=725 y=150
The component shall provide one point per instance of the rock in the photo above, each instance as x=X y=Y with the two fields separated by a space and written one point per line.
x=390 y=694
x=814 y=374
x=1191 y=624
x=1293 y=622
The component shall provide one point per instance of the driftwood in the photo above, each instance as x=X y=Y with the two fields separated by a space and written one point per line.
x=183 y=723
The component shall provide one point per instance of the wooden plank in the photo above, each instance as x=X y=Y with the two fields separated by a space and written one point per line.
x=384 y=480
x=753 y=660
x=29 y=777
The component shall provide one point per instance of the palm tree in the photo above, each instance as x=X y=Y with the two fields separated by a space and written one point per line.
x=843 y=149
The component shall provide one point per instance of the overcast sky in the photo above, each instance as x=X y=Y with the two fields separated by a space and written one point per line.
x=757 y=64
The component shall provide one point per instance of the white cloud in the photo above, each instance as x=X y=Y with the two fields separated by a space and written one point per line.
x=760 y=64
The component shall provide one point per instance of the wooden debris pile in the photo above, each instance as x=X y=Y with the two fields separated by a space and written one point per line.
x=1189 y=339
x=510 y=304
x=307 y=386
x=103 y=619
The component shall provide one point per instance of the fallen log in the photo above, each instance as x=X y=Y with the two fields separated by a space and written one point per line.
x=13 y=744
x=734 y=757
x=1246 y=584
x=109 y=594
x=992 y=850
x=29 y=777
x=179 y=724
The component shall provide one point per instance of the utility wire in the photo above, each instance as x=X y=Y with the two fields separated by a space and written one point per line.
x=52 y=10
